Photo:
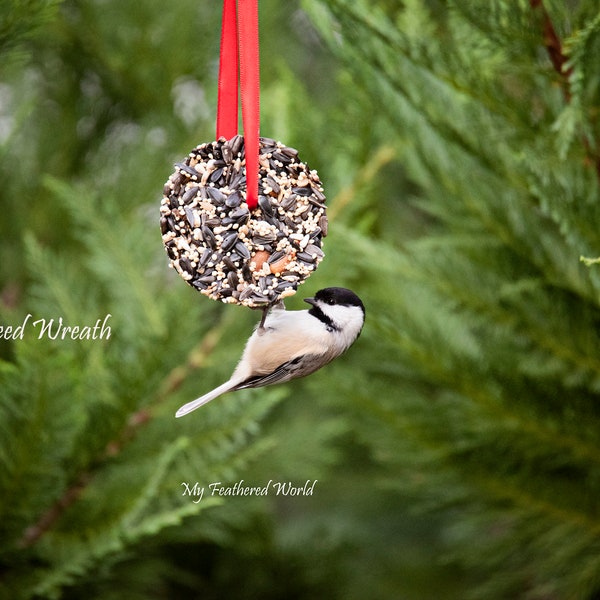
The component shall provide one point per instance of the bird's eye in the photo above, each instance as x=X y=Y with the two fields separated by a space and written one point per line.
x=330 y=301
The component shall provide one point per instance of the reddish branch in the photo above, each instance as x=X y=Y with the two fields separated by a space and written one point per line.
x=552 y=42
x=195 y=360
x=33 y=533
x=554 y=49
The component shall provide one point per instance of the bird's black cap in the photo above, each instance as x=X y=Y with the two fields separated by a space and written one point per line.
x=337 y=295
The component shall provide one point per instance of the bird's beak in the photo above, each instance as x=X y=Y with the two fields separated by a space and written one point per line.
x=311 y=301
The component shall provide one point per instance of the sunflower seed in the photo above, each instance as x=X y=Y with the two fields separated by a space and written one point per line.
x=316 y=233
x=315 y=202
x=186 y=265
x=289 y=222
x=235 y=178
x=289 y=202
x=268 y=143
x=236 y=144
x=210 y=222
x=275 y=257
x=233 y=200
x=187 y=170
x=229 y=263
x=259 y=298
x=209 y=237
x=171 y=251
x=199 y=284
x=207 y=279
x=246 y=272
x=192 y=217
x=205 y=257
x=189 y=194
x=260 y=240
x=233 y=279
x=319 y=195
x=305 y=257
x=285 y=285
x=291 y=152
x=227 y=153
x=312 y=249
x=323 y=225
x=242 y=250
x=229 y=241
x=178 y=178
x=265 y=205
x=273 y=185
x=302 y=191
x=216 y=175
x=164 y=225
x=217 y=196
x=240 y=215
x=281 y=157
x=245 y=294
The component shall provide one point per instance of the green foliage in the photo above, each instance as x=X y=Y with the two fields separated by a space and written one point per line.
x=455 y=447
x=495 y=324
x=19 y=20
x=72 y=408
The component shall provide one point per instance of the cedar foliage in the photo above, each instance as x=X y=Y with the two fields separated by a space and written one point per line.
x=496 y=326
x=455 y=445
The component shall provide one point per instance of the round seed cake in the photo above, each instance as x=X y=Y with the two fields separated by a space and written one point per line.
x=254 y=257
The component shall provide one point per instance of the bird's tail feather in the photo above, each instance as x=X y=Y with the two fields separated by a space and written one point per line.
x=198 y=402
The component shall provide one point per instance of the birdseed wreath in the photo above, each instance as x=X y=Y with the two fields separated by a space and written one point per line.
x=253 y=257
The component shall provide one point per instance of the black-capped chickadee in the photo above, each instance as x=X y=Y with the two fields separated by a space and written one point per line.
x=291 y=344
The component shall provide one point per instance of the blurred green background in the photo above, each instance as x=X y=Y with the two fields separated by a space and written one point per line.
x=455 y=446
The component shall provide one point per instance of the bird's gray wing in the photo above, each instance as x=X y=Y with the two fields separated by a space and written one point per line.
x=291 y=369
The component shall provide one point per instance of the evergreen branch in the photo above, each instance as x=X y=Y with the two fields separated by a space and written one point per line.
x=33 y=533
x=536 y=331
x=20 y=21
x=490 y=485
x=409 y=109
x=588 y=262
x=578 y=48
x=134 y=517
x=108 y=236
x=553 y=45
x=405 y=82
x=554 y=48
x=552 y=511
x=382 y=157
x=196 y=359
x=498 y=410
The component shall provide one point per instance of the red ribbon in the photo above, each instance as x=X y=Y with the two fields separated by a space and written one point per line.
x=246 y=42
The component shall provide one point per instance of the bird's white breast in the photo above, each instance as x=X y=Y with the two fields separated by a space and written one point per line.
x=286 y=335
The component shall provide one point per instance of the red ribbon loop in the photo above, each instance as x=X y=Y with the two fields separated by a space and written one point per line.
x=227 y=102
x=246 y=44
